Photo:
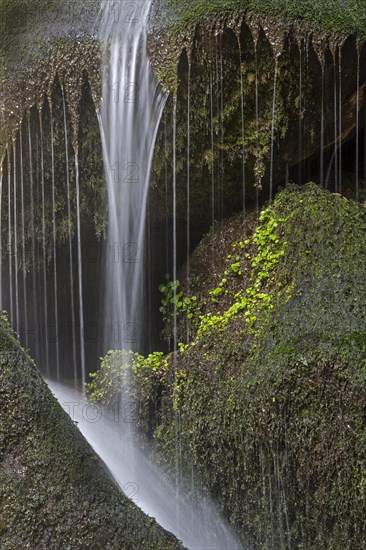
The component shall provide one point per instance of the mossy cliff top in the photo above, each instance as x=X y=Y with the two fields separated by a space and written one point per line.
x=270 y=385
x=54 y=492
x=329 y=16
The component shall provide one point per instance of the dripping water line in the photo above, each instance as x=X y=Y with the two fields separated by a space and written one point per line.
x=340 y=117
x=15 y=236
x=242 y=124
x=10 y=245
x=54 y=238
x=33 y=247
x=71 y=262
x=45 y=293
x=357 y=122
x=322 y=124
x=273 y=129
x=25 y=305
x=212 y=151
x=80 y=273
x=188 y=241
x=335 y=157
x=1 y=235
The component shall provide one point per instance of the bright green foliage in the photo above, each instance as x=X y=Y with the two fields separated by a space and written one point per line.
x=270 y=395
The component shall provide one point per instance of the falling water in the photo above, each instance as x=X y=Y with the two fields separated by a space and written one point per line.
x=54 y=239
x=242 y=122
x=10 y=245
x=212 y=150
x=340 y=117
x=45 y=286
x=33 y=247
x=103 y=428
x=322 y=122
x=15 y=237
x=188 y=241
x=129 y=117
x=273 y=128
x=300 y=111
x=175 y=341
x=25 y=304
x=1 y=235
x=256 y=111
x=357 y=121
x=80 y=271
x=71 y=262
x=335 y=154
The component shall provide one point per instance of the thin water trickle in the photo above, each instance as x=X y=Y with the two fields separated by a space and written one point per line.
x=357 y=170
x=242 y=124
x=300 y=111
x=322 y=123
x=188 y=227
x=15 y=225
x=80 y=271
x=44 y=262
x=54 y=239
x=212 y=150
x=1 y=235
x=273 y=128
x=71 y=261
x=340 y=118
x=33 y=241
x=336 y=180
x=10 y=243
x=256 y=114
x=22 y=206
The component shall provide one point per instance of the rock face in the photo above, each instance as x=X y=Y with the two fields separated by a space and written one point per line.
x=54 y=492
x=270 y=386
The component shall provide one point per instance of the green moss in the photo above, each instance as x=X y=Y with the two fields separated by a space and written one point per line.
x=54 y=491
x=330 y=16
x=271 y=412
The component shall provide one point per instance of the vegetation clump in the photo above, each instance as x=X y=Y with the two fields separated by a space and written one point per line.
x=270 y=394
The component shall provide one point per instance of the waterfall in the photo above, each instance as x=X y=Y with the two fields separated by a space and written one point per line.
x=71 y=263
x=129 y=117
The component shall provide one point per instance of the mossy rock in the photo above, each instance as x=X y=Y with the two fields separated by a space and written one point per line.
x=270 y=389
x=54 y=491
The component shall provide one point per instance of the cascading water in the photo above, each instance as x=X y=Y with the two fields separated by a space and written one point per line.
x=129 y=116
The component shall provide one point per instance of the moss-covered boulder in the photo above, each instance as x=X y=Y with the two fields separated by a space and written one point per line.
x=268 y=393
x=54 y=491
